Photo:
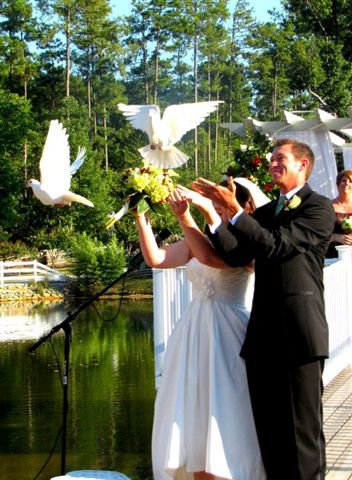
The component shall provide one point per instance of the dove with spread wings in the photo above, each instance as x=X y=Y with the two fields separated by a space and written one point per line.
x=56 y=171
x=164 y=132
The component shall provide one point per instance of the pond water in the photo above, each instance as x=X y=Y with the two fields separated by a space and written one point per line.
x=111 y=390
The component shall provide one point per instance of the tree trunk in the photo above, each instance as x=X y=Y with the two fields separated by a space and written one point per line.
x=216 y=140
x=95 y=120
x=89 y=100
x=106 y=147
x=274 y=95
x=195 y=73
x=209 y=124
x=156 y=69
x=146 y=85
x=68 y=53
x=25 y=150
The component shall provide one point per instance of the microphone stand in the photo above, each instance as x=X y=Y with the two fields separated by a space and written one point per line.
x=65 y=325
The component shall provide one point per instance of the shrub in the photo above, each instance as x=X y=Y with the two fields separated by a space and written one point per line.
x=96 y=264
x=13 y=250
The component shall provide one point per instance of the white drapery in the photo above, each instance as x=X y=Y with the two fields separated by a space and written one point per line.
x=323 y=177
x=347 y=157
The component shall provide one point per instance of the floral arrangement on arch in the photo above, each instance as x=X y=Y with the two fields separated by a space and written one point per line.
x=251 y=160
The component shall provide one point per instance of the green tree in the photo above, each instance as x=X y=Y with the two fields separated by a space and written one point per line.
x=17 y=29
x=327 y=24
x=15 y=123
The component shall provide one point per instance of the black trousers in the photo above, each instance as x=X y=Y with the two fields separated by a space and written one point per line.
x=287 y=408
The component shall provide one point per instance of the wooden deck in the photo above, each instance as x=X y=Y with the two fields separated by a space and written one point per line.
x=338 y=426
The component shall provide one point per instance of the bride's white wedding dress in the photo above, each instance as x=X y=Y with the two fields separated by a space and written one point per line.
x=203 y=418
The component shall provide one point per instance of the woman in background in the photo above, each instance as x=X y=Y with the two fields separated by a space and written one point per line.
x=203 y=423
x=343 y=209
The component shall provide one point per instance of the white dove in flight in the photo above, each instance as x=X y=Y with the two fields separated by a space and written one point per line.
x=56 y=171
x=164 y=132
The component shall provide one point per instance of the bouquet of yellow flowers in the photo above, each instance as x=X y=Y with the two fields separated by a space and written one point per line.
x=149 y=186
x=346 y=224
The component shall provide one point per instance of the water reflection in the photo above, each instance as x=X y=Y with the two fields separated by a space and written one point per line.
x=27 y=320
x=111 y=391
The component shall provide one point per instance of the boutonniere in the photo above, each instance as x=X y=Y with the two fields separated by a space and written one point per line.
x=293 y=203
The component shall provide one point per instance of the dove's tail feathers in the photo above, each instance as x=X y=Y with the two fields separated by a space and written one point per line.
x=79 y=160
x=74 y=197
x=116 y=216
x=170 y=158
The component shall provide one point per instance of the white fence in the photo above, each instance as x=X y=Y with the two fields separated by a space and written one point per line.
x=173 y=292
x=23 y=272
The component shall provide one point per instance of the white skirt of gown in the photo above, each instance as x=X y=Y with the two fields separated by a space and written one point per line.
x=203 y=419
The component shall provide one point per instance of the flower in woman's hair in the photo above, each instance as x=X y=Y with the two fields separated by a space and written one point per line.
x=293 y=203
x=149 y=187
x=346 y=224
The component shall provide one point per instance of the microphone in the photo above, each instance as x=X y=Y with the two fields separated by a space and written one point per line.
x=162 y=235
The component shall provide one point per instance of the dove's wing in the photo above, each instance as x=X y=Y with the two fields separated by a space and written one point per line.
x=140 y=116
x=54 y=164
x=79 y=160
x=179 y=119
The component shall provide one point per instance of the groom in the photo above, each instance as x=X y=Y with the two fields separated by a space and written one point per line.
x=287 y=336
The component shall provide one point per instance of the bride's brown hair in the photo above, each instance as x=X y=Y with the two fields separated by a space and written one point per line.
x=243 y=196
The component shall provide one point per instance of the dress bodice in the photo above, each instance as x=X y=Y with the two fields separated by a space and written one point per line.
x=233 y=285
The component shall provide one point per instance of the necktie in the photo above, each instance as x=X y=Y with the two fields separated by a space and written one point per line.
x=280 y=203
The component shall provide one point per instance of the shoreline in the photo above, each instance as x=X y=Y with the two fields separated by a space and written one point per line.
x=22 y=291
x=37 y=292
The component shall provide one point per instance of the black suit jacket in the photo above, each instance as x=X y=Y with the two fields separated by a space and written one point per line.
x=288 y=313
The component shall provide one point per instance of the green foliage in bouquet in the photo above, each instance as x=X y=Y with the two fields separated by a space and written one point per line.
x=150 y=187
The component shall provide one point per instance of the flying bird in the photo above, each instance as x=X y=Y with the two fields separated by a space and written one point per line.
x=56 y=171
x=164 y=132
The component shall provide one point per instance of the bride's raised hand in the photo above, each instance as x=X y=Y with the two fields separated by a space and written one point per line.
x=203 y=204
x=179 y=204
x=200 y=202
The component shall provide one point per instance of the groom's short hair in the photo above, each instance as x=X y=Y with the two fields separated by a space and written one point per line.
x=300 y=150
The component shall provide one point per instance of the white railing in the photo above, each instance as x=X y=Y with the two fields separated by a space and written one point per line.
x=173 y=292
x=338 y=305
x=23 y=272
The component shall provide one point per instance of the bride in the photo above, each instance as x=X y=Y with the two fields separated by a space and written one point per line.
x=203 y=426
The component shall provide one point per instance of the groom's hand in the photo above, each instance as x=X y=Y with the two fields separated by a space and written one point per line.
x=223 y=198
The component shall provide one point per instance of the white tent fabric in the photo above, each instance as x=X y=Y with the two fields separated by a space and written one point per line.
x=347 y=157
x=323 y=177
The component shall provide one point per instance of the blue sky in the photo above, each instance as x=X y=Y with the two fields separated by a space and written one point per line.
x=260 y=7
